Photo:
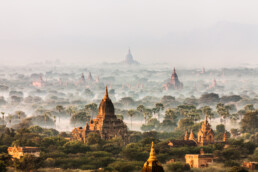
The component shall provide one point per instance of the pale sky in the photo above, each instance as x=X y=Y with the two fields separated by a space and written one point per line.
x=199 y=32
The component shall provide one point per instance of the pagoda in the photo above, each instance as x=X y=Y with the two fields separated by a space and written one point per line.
x=106 y=123
x=173 y=83
x=152 y=164
x=129 y=59
x=90 y=78
x=205 y=134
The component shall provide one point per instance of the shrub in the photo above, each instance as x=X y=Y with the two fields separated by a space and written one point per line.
x=2 y=166
x=27 y=163
x=126 y=166
x=238 y=169
x=178 y=167
x=231 y=163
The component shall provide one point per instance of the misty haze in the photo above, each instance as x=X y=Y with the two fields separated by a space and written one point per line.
x=128 y=86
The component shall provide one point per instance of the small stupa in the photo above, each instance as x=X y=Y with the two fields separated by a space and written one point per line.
x=152 y=164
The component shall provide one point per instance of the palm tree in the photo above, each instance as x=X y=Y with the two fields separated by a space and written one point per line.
x=241 y=113
x=193 y=116
x=141 y=109
x=159 y=107
x=249 y=107
x=19 y=115
x=46 y=115
x=206 y=110
x=91 y=108
x=234 y=117
x=10 y=118
x=60 y=108
x=170 y=115
x=55 y=121
x=223 y=112
x=154 y=110
x=147 y=113
x=3 y=116
x=71 y=110
x=131 y=113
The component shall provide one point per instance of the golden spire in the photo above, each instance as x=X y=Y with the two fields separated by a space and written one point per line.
x=225 y=137
x=186 y=136
x=106 y=94
x=191 y=137
x=152 y=156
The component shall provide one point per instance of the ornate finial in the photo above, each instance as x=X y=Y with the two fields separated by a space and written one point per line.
x=106 y=93
x=152 y=156
x=225 y=138
x=174 y=70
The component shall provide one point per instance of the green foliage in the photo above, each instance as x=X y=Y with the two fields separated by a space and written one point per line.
x=249 y=122
x=52 y=143
x=91 y=109
x=231 y=163
x=126 y=165
x=254 y=157
x=147 y=127
x=93 y=138
x=49 y=162
x=27 y=163
x=178 y=167
x=185 y=123
x=238 y=169
x=80 y=118
x=3 y=148
x=2 y=166
x=135 y=152
x=220 y=128
x=24 y=137
x=227 y=154
x=4 y=157
x=75 y=147
x=150 y=134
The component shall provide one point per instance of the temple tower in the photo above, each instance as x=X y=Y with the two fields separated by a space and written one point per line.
x=129 y=58
x=106 y=123
x=174 y=82
x=205 y=134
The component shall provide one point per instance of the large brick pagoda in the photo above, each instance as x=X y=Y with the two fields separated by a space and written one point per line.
x=106 y=123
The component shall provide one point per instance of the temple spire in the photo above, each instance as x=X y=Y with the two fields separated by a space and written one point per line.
x=206 y=119
x=225 y=137
x=106 y=93
x=174 y=70
x=152 y=156
x=191 y=137
x=186 y=136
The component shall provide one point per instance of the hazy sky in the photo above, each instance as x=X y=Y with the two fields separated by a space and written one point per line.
x=199 y=32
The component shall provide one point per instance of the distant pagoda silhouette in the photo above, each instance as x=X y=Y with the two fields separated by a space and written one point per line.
x=90 y=78
x=173 y=83
x=129 y=59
